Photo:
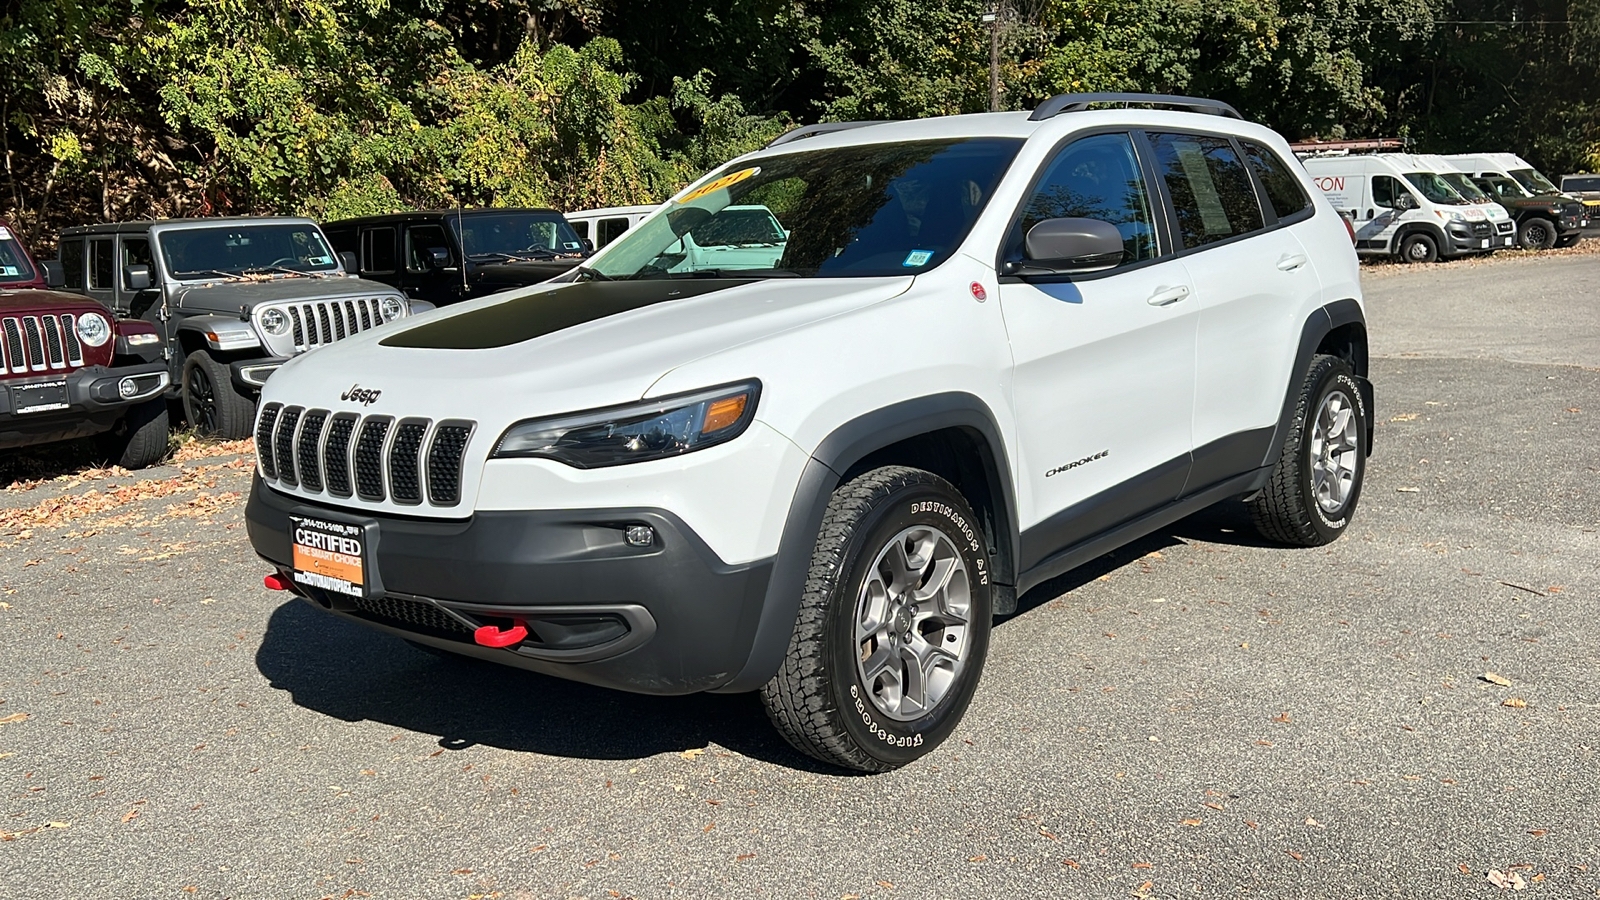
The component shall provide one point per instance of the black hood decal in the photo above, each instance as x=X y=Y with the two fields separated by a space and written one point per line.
x=536 y=315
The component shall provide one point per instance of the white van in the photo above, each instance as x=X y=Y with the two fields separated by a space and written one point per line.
x=1399 y=208
x=1505 y=224
x=602 y=226
x=1545 y=216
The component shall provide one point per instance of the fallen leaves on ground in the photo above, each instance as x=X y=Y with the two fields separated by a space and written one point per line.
x=1494 y=678
x=1507 y=880
x=56 y=512
x=202 y=449
x=13 y=835
x=14 y=717
x=693 y=753
x=1515 y=703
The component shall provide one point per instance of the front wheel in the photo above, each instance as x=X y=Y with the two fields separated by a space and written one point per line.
x=893 y=626
x=210 y=401
x=1537 y=234
x=1419 y=248
x=1317 y=479
x=140 y=438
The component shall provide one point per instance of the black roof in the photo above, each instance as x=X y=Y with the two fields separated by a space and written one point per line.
x=434 y=215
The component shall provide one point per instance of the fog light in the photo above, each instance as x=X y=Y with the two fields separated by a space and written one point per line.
x=127 y=387
x=641 y=535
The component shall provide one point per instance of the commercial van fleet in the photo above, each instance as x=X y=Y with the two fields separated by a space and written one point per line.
x=1545 y=217
x=1399 y=207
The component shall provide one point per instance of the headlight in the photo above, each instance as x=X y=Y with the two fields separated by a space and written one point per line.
x=1451 y=215
x=392 y=308
x=274 y=321
x=94 y=329
x=637 y=432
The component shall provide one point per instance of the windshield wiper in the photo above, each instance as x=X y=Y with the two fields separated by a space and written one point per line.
x=286 y=270
x=226 y=276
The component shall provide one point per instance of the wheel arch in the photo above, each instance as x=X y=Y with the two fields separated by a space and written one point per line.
x=1407 y=229
x=1338 y=329
x=952 y=434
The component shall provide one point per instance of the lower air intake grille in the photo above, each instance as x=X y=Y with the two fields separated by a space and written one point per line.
x=412 y=614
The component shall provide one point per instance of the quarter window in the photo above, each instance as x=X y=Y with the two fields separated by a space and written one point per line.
x=377 y=250
x=100 y=265
x=1283 y=189
x=1094 y=178
x=1211 y=191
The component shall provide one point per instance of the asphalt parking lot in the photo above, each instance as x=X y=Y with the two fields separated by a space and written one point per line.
x=1199 y=714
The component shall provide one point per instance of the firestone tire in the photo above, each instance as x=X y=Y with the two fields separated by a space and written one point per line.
x=1537 y=234
x=1317 y=480
x=210 y=401
x=1419 y=248
x=140 y=438
x=893 y=626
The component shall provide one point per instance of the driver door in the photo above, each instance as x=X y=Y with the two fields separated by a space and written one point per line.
x=1104 y=364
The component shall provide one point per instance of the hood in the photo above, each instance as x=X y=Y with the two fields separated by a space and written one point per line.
x=228 y=296
x=524 y=272
x=32 y=300
x=559 y=348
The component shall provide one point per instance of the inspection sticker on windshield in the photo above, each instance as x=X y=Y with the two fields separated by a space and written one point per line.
x=917 y=258
x=725 y=181
x=328 y=555
x=9 y=271
x=319 y=260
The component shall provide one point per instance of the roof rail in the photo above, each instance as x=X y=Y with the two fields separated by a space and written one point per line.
x=1329 y=148
x=1062 y=103
x=795 y=134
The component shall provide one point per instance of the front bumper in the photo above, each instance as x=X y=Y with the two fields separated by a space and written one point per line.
x=1472 y=237
x=670 y=618
x=80 y=403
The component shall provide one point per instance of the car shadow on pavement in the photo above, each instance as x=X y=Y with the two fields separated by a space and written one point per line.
x=354 y=673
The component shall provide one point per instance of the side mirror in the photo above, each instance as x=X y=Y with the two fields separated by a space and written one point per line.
x=1062 y=246
x=438 y=258
x=588 y=245
x=1405 y=202
x=348 y=260
x=137 y=277
x=54 y=275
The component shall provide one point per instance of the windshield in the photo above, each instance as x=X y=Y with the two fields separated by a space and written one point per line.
x=1503 y=188
x=871 y=209
x=239 y=249
x=14 y=266
x=500 y=237
x=1436 y=189
x=1465 y=187
x=1534 y=182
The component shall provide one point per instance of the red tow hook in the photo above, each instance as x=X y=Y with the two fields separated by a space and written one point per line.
x=492 y=636
x=276 y=582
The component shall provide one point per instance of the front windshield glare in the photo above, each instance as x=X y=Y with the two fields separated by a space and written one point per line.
x=243 y=249
x=512 y=237
x=1466 y=188
x=1534 y=182
x=873 y=209
x=1436 y=189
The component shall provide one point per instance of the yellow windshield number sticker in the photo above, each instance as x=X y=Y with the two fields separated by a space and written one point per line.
x=725 y=181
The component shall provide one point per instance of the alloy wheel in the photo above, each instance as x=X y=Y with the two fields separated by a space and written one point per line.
x=913 y=615
x=1335 y=452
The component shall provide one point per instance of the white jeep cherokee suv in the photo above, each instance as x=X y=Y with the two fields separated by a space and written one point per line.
x=990 y=348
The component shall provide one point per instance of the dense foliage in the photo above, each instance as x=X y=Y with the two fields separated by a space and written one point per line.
x=133 y=108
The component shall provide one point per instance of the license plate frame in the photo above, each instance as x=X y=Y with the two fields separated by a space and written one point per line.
x=41 y=396
x=332 y=554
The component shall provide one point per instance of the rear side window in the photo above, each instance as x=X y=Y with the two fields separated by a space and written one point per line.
x=1211 y=191
x=101 y=266
x=72 y=262
x=1278 y=180
x=1094 y=178
x=377 y=250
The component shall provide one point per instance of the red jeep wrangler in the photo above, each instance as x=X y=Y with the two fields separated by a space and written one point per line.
x=68 y=369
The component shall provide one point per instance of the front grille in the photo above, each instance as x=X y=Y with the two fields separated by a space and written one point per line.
x=1481 y=229
x=374 y=458
x=413 y=615
x=318 y=322
x=1505 y=227
x=40 y=343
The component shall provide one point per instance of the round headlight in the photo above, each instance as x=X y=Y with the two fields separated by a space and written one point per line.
x=94 y=329
x=274 y=321
x=392 y=308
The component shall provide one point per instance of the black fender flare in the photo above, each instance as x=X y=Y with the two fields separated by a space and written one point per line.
x=834 y=456
x=1407 y=229
x=1317 y=326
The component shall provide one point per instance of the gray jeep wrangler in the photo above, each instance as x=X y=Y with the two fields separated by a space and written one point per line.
x=232 y=298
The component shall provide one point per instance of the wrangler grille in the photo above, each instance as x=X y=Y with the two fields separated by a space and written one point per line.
x=318 y=322
x=373 y=458
x=40 y=343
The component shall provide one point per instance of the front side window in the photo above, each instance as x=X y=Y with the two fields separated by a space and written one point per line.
x=135 y=252
x=245 y=249
x=514 y=237
x=1278 y=180
x=1096 y=177
x=1384 y=191
x=846 y=212
x=72 y=262
x=100 y=264
x=611 y=229
x=14 y=265
x=1436 y=189
x=1211 y=191
x=421 y=240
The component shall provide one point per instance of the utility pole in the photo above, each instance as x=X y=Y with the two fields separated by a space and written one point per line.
x=992 y=19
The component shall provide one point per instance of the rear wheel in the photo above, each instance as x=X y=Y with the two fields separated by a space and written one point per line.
x=1419 y=248
x=210 y=401
x=1537 y=234
x=893 y=626
x=140 y=438
x=1317 y=479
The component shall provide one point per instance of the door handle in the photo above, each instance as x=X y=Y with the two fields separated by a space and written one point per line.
x=1291 y=262
x=1168 y=296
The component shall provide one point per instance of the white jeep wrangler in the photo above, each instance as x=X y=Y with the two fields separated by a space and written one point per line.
x=992 y=347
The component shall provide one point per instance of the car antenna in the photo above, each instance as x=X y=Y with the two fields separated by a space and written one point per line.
x=461 y=238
